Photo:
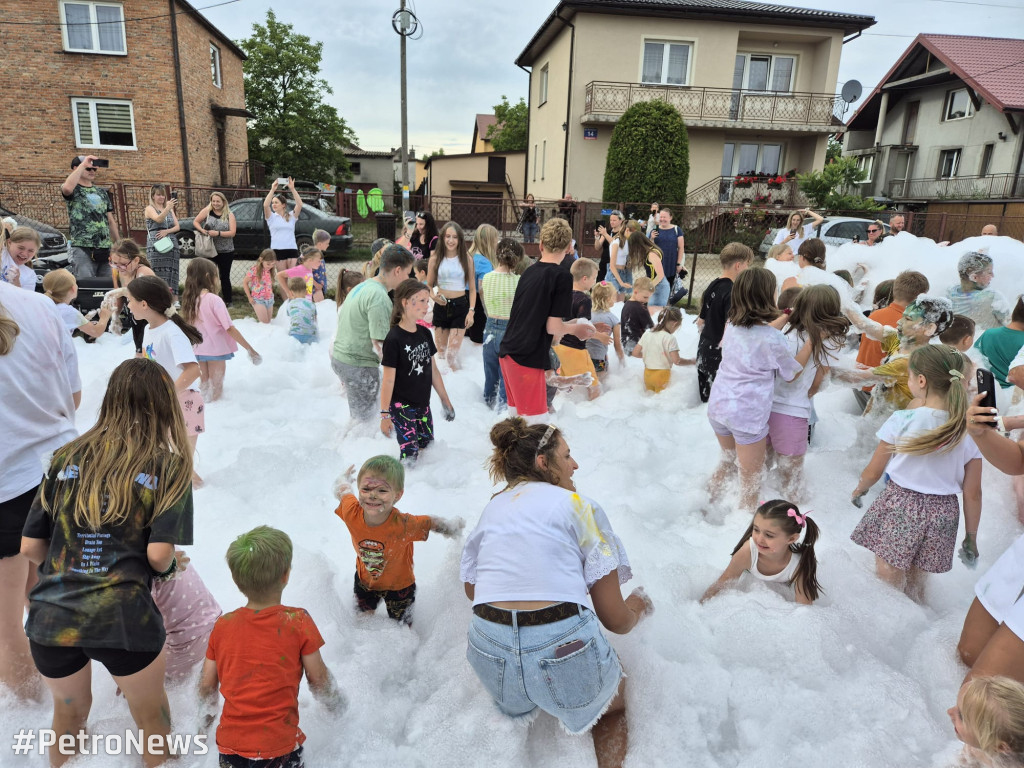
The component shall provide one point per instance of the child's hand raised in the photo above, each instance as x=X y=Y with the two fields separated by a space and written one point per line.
x=343 y=485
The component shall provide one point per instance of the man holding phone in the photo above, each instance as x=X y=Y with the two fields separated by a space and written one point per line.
x=92 y=226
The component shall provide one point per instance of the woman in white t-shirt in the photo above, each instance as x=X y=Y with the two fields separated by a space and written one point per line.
x=794 y=233
x=282 y=225
x=539 y=554
x=40 y=389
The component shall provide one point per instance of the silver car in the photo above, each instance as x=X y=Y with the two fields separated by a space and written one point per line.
x=834 y=230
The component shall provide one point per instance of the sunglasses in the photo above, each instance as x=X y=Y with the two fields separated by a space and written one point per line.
x=872 y=231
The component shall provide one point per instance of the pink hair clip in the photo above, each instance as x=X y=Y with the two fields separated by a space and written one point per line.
x=800 y=520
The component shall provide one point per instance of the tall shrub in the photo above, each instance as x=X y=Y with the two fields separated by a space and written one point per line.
x=648 y=156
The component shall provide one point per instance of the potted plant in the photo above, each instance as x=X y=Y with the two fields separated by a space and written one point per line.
x=744 y=181
x=776 y=182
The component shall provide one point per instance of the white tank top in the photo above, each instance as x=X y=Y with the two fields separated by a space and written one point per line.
x=622 y=255
x=450 y=275
x=782 y=576
x=282 y=233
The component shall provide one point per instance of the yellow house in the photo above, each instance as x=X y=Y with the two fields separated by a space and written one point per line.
x=754 y=82
x=481 y=125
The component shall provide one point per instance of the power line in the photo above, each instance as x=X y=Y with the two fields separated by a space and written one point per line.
x=969 y=2
x=120 y=21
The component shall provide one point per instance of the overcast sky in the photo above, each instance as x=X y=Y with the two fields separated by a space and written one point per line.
x=463 y=62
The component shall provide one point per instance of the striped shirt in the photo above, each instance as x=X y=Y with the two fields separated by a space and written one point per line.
x=498 y=289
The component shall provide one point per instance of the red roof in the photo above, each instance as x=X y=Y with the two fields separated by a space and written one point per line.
x=993 y=66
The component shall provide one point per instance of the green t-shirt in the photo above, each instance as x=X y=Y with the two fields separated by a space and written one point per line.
x=87 y=217
x=1000 y=346
x=365 y=315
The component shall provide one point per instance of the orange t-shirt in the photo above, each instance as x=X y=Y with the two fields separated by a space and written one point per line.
x=259 y=665
x=383 y=552
x=871 y=353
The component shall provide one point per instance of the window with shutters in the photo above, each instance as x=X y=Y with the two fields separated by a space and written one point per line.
x=666 y=63
x=103 y=124
x=88 y=27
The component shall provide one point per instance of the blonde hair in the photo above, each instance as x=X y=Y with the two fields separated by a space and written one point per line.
x=945 y=370
x=24 y=234
x=58 y=285
x=258 y=561
x=629 y=226
x=485 y=242
x=800 y=226
x=137 y=450
x=643 y=284
x=603 y=297
x=582 y=268
x=993 y=711
x=555 y=235
x=227 y=208
x=778 y=248
x=267 y=261
x=8 y=332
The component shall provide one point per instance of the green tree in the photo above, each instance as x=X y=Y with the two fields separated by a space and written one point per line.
x=436 y=153
x=293 y=131
x=510 y=132
x=648 y=156
x=830 y=188
x=835 y=148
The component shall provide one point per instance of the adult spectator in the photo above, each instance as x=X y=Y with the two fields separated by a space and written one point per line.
x=875 y=231
x=539 y=554
x=161 y=236
x=364 y=319
x=531 y=226
x=603 y=238
x=897 y=224
x=281 y=223
x=219 y=223
x=652 y=219
x=40 y=389
x=990 y=229
x=91 y=223
x=670 y=241
x=567 y=210
x=794 y=233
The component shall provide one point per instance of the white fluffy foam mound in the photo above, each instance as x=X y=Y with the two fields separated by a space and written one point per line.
x=863 y=678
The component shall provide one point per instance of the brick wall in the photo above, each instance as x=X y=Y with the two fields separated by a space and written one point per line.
x=38 y=140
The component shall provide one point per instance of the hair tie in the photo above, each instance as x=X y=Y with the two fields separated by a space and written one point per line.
x=954 y=375
x=800 y=520
x=169 y=312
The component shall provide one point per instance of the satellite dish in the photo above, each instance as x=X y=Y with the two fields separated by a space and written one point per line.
x=852 y=89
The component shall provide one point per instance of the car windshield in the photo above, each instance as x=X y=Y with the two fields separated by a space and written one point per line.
x=313 y=211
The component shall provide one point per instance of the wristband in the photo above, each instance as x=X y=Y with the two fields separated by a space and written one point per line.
x=385 y=414
x=171 y=569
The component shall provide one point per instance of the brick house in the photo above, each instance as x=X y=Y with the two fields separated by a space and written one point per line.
x=151 y=85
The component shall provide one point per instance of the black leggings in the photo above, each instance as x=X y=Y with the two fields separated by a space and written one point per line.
x=223 y=262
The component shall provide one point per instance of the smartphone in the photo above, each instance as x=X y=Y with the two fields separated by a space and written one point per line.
x=282 y=182
x=100 y=162
x=564 y=650
x=174 y=195
x=987 y=384
x=792 y=231
x=598 y=224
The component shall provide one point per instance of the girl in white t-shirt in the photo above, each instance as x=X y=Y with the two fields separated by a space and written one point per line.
x=60 y=285
x=168 y=340
x=281 y=223
x=660 y=350
x=771 y=551
x=912 y=525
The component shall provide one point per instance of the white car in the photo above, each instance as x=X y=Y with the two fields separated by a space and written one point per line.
x=835 y=230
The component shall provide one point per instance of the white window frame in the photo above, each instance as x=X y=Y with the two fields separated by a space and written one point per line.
x=93 y=27
x=543 y=159
x=956 y=163
x=665 y=42
x=771 y=69
x=218 y=76
x=949 y=103
x=542 y=86
x=866 y=163
x=737 y=143
x=535 y=153
x=95 y=123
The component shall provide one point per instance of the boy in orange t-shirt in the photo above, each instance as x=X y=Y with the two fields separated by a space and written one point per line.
x=383 y=536
x=257 y=655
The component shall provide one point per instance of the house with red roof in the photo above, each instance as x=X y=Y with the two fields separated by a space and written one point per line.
x=481 y=125
x=945 y=123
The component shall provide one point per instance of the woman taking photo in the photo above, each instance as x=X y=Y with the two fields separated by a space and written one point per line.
x=424 y=238
x=794 y=233
x=161 y=223
x=282 y=224
x=603 y=239
x=539 y=556
x=452 y=283
x=218 y=223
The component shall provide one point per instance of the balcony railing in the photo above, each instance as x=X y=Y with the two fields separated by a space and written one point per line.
x=993 y=186
x=718 y=104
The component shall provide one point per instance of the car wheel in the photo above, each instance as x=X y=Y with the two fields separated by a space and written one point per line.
x=301 y=241
x=186 y=245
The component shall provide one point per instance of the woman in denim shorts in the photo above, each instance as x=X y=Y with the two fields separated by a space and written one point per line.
x=539 y=556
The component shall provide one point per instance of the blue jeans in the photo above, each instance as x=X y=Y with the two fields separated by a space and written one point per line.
x=530 y=231
x=660 y=296
x=522 y=672
x=494 y=332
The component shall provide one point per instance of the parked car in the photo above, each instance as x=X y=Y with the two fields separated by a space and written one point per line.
x=836 y=230
x=253 y=236
x=54 y=242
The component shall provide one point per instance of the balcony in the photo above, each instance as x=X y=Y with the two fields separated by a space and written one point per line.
x=997 y=186
x=719 y=107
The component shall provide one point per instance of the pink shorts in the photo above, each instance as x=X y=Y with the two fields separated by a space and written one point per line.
x=524 y=387
x=787 y=434
x=192 y=408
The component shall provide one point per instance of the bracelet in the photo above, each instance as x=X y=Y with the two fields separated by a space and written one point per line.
x=171 y=569
x=385 y=414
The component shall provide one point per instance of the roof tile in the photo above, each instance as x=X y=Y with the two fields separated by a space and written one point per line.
x=994 y=66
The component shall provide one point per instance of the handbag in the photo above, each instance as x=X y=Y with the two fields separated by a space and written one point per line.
x=204 y=245
x=164 y=244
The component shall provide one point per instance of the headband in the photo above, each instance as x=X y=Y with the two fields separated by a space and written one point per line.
x=544 y=440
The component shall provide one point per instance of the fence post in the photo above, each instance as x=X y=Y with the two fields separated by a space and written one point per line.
x=942 y=226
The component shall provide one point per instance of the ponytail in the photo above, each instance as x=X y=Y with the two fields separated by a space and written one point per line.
x=8 y=331
x=157 y=295
x=944 y=369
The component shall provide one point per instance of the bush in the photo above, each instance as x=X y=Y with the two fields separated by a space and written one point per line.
x=830 y=187
x=648 y=156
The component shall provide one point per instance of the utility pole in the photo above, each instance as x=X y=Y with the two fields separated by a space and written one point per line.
x=405 y=24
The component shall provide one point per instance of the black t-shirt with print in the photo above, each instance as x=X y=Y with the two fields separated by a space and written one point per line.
x=635 y=319
x=544 y=290
x=411 y=355
x=581 y=307
x=94 y=587
x=714 y=310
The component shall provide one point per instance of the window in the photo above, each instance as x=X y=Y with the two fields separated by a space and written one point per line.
x=665 y=63
x=535 y=162
x=543 y=85
x=88 y=27
x=958 y=105
x=910 y=122
x=761 y=72
x=101 y=124
x=751 y=158
x=986 y=160
x=355 y=168
x=215 y=64
x=866 y=163
x=848 y=230
x=949 y=163
x=543 y=159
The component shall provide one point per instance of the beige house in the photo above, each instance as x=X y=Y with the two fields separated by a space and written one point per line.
x=479 y=185
x=756 y=86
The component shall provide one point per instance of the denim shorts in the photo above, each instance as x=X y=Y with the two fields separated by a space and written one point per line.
x=660 y=296
x=518 y=667
x=268 y=303
x=209 y=358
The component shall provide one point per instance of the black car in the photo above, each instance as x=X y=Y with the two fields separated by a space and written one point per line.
x=252 y=235
x=54 y=242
